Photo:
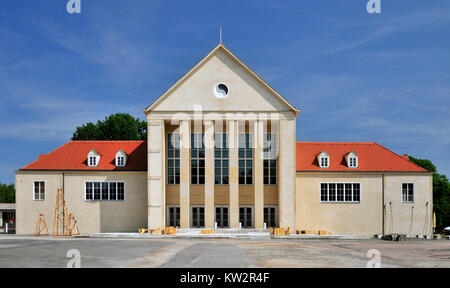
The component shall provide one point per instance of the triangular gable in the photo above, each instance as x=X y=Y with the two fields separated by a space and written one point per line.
x=218 y=49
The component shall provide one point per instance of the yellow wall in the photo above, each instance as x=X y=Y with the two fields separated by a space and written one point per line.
x=402 y=217
x=92 y=216
x=363 y=218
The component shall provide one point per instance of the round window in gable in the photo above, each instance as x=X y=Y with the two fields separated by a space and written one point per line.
x=221 y=90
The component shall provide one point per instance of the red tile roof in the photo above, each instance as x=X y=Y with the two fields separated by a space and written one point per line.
x=73 y=156
x=371 y=157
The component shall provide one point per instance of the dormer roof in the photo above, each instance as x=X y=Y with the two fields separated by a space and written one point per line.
x=371 y=157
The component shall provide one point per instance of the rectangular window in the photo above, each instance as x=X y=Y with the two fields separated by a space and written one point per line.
x=39 y=190
x=332 y=192
x=97 y=186
x=353 y=162
x=221 y=158
x=270 y=216
x=173 y=158
x=324 y=192
x=197 y=158
x=408 y=192
x=173 y=216
x=112 y=191
x=348 y=192
x=104 y=191
x=270 y=159
x=92 y=160
x=120 y=161
x=120 y=191
x=89 y=191
x=198 y=217
x=245 y=159
x=340 y=192
x=324 y=162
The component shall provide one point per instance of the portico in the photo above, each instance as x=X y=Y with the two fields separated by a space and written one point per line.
x=220 y=149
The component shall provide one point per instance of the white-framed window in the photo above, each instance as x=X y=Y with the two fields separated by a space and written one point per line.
x=93 y=161
x=120 y=161
x=353 y=162
x=104 y=191
x=93 y=158
x=38 y=190
x=121 y=158
x=408 y=192
x=340 y=192
x=324 y=162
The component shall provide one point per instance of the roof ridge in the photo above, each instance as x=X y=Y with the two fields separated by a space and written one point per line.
x=399 y=156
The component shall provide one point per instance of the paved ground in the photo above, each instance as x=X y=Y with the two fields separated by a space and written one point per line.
x=16 y=251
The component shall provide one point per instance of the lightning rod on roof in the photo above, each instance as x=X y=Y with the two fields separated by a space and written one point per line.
x=220 y=34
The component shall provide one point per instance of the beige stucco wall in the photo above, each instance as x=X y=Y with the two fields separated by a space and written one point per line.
x=220 y=68
x=409 y=218
x=363 y=218
x=92 y=216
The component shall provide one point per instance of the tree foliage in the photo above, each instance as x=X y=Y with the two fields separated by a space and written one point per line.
x=119 y=126
x=7 y=193
x=441 y=192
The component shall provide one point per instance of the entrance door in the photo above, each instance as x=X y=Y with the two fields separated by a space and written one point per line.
x=198 y=217
x=246 y=217
x=222 y=217
x=270 y=216
x=173 y=216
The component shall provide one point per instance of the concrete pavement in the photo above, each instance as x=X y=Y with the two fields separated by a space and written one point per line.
x=20 y=251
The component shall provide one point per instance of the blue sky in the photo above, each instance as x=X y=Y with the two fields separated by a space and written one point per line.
x=355 y=76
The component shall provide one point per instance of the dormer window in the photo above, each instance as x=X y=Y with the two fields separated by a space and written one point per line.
x=93 y=158
x=352 y=160
x=121 y=158
x=92 y=161
x=324 y=159
x=324 y=162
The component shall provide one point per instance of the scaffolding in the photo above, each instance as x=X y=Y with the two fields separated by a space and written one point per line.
x=60 y=219
x=41 y=225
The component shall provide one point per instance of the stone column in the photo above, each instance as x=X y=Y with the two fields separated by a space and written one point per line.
x=185 y=173
x=233 y=134
x=287 y=172
x=156 y=173
x=209 y=174
x=258 y=174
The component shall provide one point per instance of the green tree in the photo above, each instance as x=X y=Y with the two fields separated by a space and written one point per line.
x=441 y=192
x=7 y=193
x=119 y=126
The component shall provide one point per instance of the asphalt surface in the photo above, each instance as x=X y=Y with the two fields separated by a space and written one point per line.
x=16 y=251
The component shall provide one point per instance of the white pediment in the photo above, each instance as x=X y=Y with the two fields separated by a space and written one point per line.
x=245 y=90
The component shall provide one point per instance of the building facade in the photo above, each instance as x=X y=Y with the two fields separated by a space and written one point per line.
x=222 y=152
